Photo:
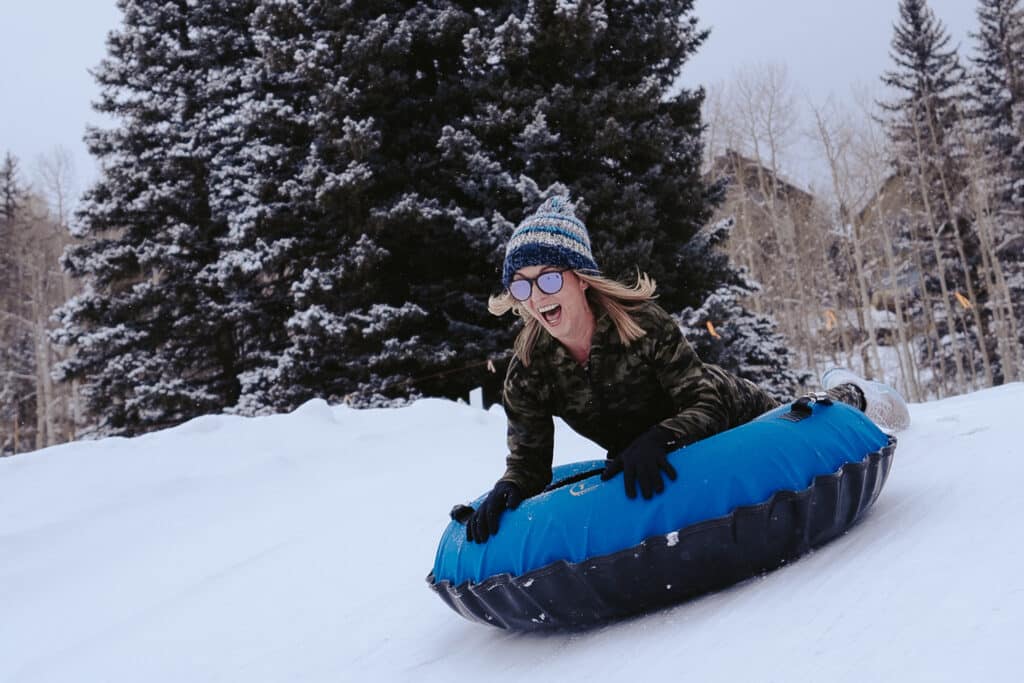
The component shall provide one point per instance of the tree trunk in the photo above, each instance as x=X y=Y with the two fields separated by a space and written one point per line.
x=939 y=265
x=972 y=297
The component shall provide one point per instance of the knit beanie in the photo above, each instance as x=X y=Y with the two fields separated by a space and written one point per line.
x=552 y=236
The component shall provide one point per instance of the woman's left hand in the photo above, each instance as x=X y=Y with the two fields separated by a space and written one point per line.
x=643 y=461
x=484 y=523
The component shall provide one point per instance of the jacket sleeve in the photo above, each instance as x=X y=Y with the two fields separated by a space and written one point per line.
x=531 y=431
x=708 y=400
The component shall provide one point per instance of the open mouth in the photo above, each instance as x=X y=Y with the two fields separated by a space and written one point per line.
x=551 y=313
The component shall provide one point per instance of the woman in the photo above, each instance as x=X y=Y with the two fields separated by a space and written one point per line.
x=607 y=360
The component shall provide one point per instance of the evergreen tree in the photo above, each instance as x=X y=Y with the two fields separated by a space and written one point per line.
x=145 y=339
x=363 y=289
x=997 y=95
x=384 y=291
x=261 y=194
x=580 y=94
x=310 y=198
x=927 y=88
x=17 y=355
x=997 y=111
x=13 y=199
x=17 y=388
x=578 y=98
x=12 y=194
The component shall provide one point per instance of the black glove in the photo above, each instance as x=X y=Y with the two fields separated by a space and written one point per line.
x=484 y=522
x=643 y=461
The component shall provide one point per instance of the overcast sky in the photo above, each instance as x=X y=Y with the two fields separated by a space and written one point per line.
x=46 y=49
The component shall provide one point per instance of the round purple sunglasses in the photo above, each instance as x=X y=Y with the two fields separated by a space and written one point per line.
x=549 y=283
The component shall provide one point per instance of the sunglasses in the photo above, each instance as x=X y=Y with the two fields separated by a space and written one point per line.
x=549 y=283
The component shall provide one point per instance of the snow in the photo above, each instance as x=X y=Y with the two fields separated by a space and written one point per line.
x=294 y=547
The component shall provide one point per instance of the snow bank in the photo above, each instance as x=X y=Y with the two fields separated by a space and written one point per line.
x=294 y=547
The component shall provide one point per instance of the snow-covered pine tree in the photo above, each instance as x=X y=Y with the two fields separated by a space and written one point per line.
x=341 y=247
x=286 y=211
x=926 y=88
x=580 y=98
x=12 y=193
x=581 y=93
x=17 y=355
x=145 y=336
x=997 y=114
x=264 y=136
x=997 y=94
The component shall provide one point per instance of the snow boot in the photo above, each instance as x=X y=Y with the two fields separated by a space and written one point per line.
x=883 y=404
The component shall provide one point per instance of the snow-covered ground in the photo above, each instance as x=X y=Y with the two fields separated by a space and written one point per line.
x=294 y=548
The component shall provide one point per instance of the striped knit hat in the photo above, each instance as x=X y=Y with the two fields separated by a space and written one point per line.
x=551 y=237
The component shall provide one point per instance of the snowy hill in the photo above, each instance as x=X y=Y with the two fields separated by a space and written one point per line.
x=294 y=548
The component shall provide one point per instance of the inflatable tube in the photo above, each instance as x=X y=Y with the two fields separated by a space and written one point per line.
x=746 y=501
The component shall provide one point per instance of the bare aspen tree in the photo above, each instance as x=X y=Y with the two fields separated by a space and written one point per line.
x=767 y=118
x=870 y=156
x=747 y=101
x=936 y=243
x=945 y=183
x=45 y=427
x=57 y=181
x=55 y=172
x=723 y=159
x=716 y=125
x=34 y=236
x=719 y=143
x=827 y=278
x=833 y=289
x=748 y=246
x=38 y=250
x=835 y=148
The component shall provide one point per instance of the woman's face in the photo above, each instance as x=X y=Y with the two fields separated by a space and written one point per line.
x=566 y=315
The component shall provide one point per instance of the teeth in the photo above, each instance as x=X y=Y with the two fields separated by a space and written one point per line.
x=550 y=307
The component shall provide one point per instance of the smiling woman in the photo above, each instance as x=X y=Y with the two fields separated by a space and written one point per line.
x=606 y=359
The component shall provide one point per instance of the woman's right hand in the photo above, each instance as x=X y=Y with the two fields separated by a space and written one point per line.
x=643 y=461
x=484 y=522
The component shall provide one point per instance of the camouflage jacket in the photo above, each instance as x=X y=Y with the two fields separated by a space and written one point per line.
x=620 y=393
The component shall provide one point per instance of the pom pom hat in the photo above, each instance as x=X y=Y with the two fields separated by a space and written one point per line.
x=553 y=236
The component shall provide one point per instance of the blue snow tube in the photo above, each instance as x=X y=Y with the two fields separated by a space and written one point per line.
x=746 y=501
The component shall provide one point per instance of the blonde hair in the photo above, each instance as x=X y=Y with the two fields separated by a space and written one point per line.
x=615 y=298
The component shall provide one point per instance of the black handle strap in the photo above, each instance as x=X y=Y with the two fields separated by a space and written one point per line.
x=801 y=407
x=461 y=513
